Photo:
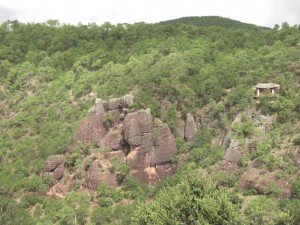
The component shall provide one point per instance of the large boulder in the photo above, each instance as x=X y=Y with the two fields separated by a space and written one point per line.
x=127 y=100
x=137 y=125
x=91 y=128
x=114 y=103
x=52 y=162
x=113 y=139
x=233 y=153
x=99 y=172
x=190 y=128
x=165 y=145
x=180 y=125
x=151 y=143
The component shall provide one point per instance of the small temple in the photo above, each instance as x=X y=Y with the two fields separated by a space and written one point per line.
x=266 y=88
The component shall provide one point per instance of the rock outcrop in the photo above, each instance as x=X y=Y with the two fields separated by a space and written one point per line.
x=190 y=128
x=91 y=128
x=180 y=125
x=151 y=144
x=233 y=153
x=148 y=141
x=52 y=163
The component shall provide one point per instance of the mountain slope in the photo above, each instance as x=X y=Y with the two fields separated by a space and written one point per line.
x=207 y=21
x=199 y=75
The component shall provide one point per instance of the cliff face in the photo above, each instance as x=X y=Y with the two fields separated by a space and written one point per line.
x=109 y=136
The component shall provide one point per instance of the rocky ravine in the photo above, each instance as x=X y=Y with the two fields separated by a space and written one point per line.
x=148 y=142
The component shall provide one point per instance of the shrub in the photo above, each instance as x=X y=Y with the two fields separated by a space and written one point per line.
x=108 y=120
x=105 y=201
x=102 y=215
x=250 y=191
x=296 y=141
x=296 y=188
x=272 y=189
x=192 y=200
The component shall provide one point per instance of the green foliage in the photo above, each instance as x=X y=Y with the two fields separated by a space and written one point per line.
x=296 y=141
x=296 y=188
x=211 y=21
x=224 y=179
x=13 y=213
x=108 y=120
x=263 y=210
x=102 y=215
x=105 y=201
x=191 y=201
x=272 y=189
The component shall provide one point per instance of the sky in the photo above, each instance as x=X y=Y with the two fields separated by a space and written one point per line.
x=259 y=12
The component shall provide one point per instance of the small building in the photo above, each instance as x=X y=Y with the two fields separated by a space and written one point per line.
x=266 y=88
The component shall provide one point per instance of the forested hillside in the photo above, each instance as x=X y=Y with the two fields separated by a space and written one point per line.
x=214 y=21
x=241 y=166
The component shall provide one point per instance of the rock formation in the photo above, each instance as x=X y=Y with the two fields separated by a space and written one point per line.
x=151 y=144
x=147 y=141
x=91 y=128
x=190 y=128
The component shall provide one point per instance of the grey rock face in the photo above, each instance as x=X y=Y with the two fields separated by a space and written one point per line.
x=91 y=128
x=190 y=127
x=53 y=162
x=136 y=126
x=151 y=143
x=165 y=146
x=180 y=125
x=233 y=152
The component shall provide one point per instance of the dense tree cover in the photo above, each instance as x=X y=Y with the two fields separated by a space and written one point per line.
x=191 y=201
x=47 y=71
x=215 y=21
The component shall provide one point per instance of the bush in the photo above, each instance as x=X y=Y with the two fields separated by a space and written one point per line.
x=250 y=191
x=296 y=141
x=272 y=189
x=192 y=200
x=108 y=120
x=102 y=215
x=105 y=201
x=296 y=188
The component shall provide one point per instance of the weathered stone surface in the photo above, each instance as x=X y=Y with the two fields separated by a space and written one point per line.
x=99 y=172
x=141 y=176
x=180 y=125
x=190 y=128
x=165 y=170
x=53 y=162
x=222 y=137
x=151 y=144
x=91 y=128
x=233 y=152
x=152 y=175
x=113 y=139
x=165 y=146
x=58 y=172
x=164 y=107
x=62 y=187
x=127 y=100
x=114 y=103
x=93 y=175
x=136 y=125
x=138 y=160
x=118 y=103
